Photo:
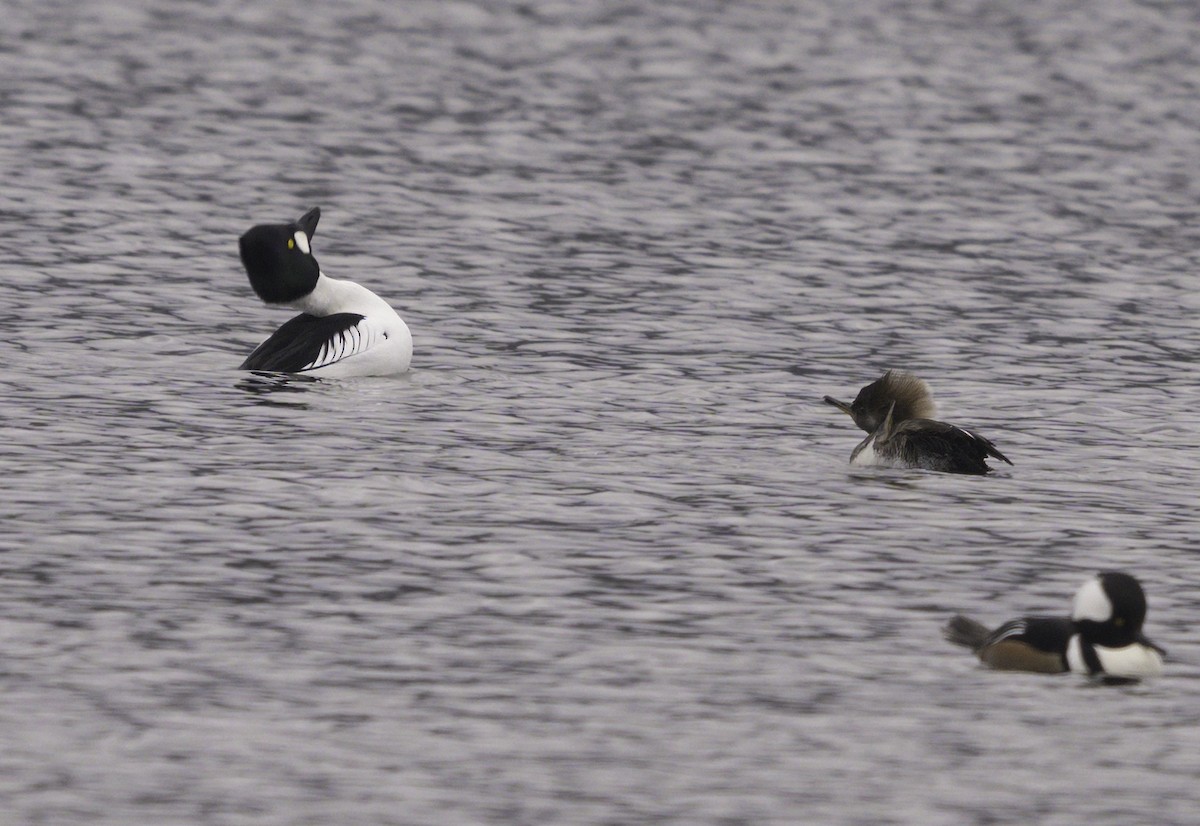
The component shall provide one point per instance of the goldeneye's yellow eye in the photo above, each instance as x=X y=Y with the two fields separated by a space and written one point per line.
x=291 y=243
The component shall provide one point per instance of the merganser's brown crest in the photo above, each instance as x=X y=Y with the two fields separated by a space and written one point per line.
x=909 y=394
x=895 y=411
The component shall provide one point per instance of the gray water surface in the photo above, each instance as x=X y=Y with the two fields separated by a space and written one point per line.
x=599 y=558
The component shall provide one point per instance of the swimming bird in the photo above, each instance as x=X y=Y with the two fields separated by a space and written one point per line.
x=896 y=412
x=343 y=329
x=1102 y=637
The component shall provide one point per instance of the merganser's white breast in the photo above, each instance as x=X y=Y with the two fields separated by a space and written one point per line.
x=865 y=455
x=1132 y=661
x=344 y=329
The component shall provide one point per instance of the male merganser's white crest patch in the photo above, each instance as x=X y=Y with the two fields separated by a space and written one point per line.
x=1092 y=603
x=302 y=242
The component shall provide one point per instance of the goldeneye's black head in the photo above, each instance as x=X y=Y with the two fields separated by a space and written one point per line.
x=905 y=395
x=1110 y=609
x=278 y=258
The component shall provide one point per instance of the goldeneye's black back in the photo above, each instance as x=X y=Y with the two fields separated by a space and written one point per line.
x=344 y=329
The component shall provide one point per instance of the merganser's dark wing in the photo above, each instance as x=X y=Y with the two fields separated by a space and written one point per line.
x=932 y=445
x=1050 y=634
x=1026 y=644
x=308 y=341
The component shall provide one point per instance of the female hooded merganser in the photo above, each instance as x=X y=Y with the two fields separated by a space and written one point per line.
x=344 y=329
x=1102 y=638
x=896 y=411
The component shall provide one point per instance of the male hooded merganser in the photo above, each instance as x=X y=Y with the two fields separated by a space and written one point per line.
x=344 y=329
x=896 y=411
x=1102 y=638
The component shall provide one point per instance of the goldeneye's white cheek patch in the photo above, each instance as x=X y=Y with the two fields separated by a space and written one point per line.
x=302 y=241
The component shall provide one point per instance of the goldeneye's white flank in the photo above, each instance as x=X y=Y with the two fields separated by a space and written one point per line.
x=896 y=411
x=343 y=330
x=1102 y=638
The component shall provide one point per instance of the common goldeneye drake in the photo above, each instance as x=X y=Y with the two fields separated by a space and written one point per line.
x=1102 y=637
x=343 y=329
x=896 y=412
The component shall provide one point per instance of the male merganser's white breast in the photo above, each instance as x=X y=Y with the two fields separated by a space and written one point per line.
x=1135 y=660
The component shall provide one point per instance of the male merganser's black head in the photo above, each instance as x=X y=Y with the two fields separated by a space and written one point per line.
x=278 y=258
x=1108 y=643
x=902 y=394
x=1109 y=610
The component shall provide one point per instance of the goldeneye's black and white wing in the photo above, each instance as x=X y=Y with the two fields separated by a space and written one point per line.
x=308 y=342
x=940 y=446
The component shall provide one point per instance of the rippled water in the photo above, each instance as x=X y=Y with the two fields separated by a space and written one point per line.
x=599 y=558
